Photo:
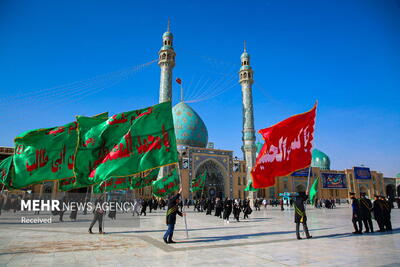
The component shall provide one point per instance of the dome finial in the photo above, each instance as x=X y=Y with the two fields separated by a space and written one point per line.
x=168 y=25
x=244 y=46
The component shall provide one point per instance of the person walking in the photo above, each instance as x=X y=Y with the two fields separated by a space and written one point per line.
x=98 y=214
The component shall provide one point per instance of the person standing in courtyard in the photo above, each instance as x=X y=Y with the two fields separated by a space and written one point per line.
x=98 y=214
x=356 y=215
x=377 y=208
x=300 y=214
x=173 y=209
x=365 y=211
x=386 y=209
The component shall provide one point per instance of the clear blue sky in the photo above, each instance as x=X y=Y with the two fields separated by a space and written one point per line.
x=344 y=53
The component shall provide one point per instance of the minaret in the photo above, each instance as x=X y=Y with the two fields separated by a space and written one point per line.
x=166 y=60
x=246 y=80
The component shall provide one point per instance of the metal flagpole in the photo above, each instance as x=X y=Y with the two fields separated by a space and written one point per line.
x=184 y=208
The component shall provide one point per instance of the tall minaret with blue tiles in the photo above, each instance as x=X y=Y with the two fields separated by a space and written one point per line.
x=166 y=61
x=246 y=81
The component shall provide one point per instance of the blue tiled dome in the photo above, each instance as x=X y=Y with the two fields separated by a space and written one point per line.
x=190 y=129
x=320 y=160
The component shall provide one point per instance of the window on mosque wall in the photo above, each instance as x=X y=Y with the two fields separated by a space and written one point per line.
x=239 y=194
x=244 y=180
x=238 y=180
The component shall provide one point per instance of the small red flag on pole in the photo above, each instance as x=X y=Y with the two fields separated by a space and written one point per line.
x=178 y=80
x=287 y=148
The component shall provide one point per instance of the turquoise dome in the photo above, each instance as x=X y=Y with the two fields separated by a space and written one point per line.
x=190 y=129
x=398 y=175
x=320 y=160
x=169 y=34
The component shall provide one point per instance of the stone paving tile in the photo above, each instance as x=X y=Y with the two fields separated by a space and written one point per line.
x=266 y=239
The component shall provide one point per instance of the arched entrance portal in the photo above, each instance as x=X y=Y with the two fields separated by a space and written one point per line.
x=214 y=185
x=363 y=189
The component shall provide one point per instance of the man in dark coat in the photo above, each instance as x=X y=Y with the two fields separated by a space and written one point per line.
x=377 y=208
x=365 y=211
x=356 y=215
x=218 y=207
x=227 y=209
x=386 y=209
x=300 y=214
x=173 y=209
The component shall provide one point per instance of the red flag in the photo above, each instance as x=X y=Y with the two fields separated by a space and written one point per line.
x=287 y=148
x=178 y=80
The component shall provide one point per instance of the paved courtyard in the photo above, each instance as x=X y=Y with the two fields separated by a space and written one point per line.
x=266 y=239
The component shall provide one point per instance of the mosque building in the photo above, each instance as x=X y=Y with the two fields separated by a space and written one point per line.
x=227 y=175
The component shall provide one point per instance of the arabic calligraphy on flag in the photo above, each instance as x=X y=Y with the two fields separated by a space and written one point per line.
x=198 y=183
x=287 y=148
x=126 y=144
x=44 y=154
x=166 y=185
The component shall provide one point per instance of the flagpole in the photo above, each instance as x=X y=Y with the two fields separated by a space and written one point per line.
x=312 y=142
x=181 y=92
x=184 y=207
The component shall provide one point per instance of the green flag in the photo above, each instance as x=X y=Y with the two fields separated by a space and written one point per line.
x=144 y=179
x=314 y=191
x=120 y=183
x=5 y=170
x=103 y=115
x=198 y=183
x=166 y=185
x=126 y=144
x=44 y=155
x=68 y=184
x=250 y=187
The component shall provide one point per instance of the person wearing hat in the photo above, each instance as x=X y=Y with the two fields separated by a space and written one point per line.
x=365 y=211
x=173 y=209
x=356 y=216
x=377 y=208
x=300 y=214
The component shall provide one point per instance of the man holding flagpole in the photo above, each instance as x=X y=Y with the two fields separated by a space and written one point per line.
x=173 y=209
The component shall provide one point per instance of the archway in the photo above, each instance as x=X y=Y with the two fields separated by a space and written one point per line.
x=390 y=190
x=398 y=190
x=300 y=188
x=214 y=185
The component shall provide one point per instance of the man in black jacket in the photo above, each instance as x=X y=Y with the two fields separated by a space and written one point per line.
x=300 y=214
x=378 y=213
x=365 y=211
x=173 y=209
x=356 y=216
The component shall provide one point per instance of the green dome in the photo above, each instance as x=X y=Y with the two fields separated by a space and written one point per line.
x=398 y=175
x=320 y=160
x=190 y=129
